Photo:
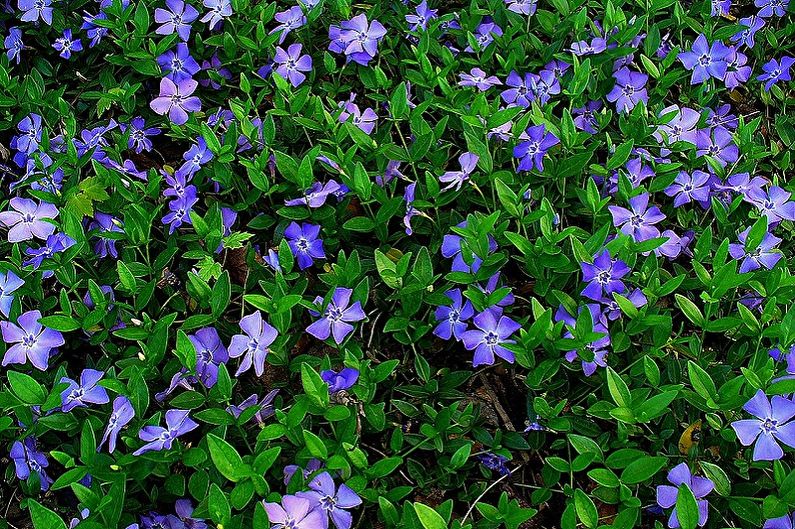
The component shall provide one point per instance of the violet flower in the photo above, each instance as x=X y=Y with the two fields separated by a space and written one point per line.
x=67 y=44
x=752 y=24
x=683 y=126
x=771 y=426
x=756 y=258
x=485 y=34
x=584 y=118
x=629 y=90
x=289 y=20
x=218 y=11
x=30 y=339
x=584 y=48
x=178 y=63
x=453 y=246
x=532 y=151
x=30 y=134
x=603 y=276
x=295 y=513
x=36 y=9
x=594 y=352
x=737 y=72
x=13 y=44
x=158 y=438
x=9 y=283
x=176 y=19
x=451 y=318
x=332 y=500
x=364 y=120
x=775 y=204
x=420 y=18
x=638 y=222
x=315 y=196
x=121 y=415
x=705 y=60
x=27 y=459
x=667 y=495
x=305 y=243
x=210 y=353
x=360 y=38
x=179 y=212
x=522 y=7
x=454 y=179
x=195 y=157
x=495 y=462
x=26 y=220
x=479 y=79
x=139 y=134
x=493 y=330
x=265 y=406
x=690 y=187
x=56 y=243
x=719 y=145
x=341 y=381
x=770 y=8
x=176 y=99
x=337 y=317
x=253 y=345
x=84 y=393
x=521 y=90
x=776 y=71
x=291 y=64
x=411 y=211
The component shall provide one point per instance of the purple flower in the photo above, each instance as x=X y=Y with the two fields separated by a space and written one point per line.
x=520 y=92
x=178 y=64
x=289 y=20
x=493 y=330
x=782 y=522
x=198 y=155
x=341 y=381
x=484 y=34
x=690 y=187
x=743 y=184
x=332 y=500
x=479 y=79
x=84 y=393
x=30 y=134
x=214 y=65
x=737 y=72
x=453 y=246
x=603 y=276
x=94 y=32
x=176 y=99
x=613 y=310
x=35 y=9
x=680 y=476
x=218 y=11
x=722 y=117
x=32 y=341
x=179 y=212
x=719 y=145
x=468 y=162
x=775 y=204
x=639 y=222
x=158 y=438
x=681 y=128
x=121 y=415
x=56 y=243
x=364 y=120
x=139 y=133
x=420 y=20
x=756 y=258
x=452 y=317
x=720 y=7
x=253 y=345
x=531 y=152
x=629 y=90
x=492 y=285
x=265 y=406
x=704 y=60
x=13 y=44
x=9 y=282
x=66 y=44
x=746 y=36
x=176 y=19
x=771 y=425
x=305 y=243
x=411 y=211
x=584 y=118
x=184 y=510
x=210 y=353
x=291 y=63
x=358 y=39
x=522 y=7
x=772 y=7
x=775 y=71
x=295 y=513
x=337 y=317
x=315 y=196
x=27 y=459
x=584 y=48
x=495 y=462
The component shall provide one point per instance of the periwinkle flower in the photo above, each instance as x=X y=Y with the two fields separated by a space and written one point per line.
x=139 y=134
x=719 y=145
x=31 y=340
x=603 y=276
x=337 y=317
x=720 y=7
x=341 y=381
x=195 y=157
x=210 y=353
x=452 y=317
x=752 y=24
x=769 y=8
x=776 y=71
x=265 y=406
x=485 y=34
x=454 y=246
x=496 y=462
x=454 y=179
x=594 y=353
x=291 y=64
x=35 y=10
x=771 y=426
x=357 y=38
x=9 y=283
x=315 y=196
x=680 y=476
x=584 y=48
x=479 y=79
x=215 y=65
x=638 y=222
x=179 y=212
x=756 y=258
x=56 y=243
x=175 y=99
x=689 y=187
x=364 y=120
x=254 y=345
x=86 y=392
x=29 y=134
x=289 y=20
x=629 y=90
x=493 y=329
x=520 y=91
x=295 y=513
x=178 y=64
x=121 y=415
x=305 y=243
x=176 y=19
x=522 y=7
x=332 y=500
x=612 y=310
x=737 y=72
x=95 y=33
x=705 y=60
x=28 y=459
x=157 y=438
x=218 y=11
x=683 y=126
x=67 y=44
x=531 y=152
x=13 y=44
x=411 y=211
x=782 y=522
x=420 y=18
x=584 y=118
x=774 y=203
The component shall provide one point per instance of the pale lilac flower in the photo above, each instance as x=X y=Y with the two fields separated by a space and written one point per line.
x=289 y=20
x=522 y=7
x=737 y=72
x=361 y=38
x=9 y=283
x=771 y=426
x=667 y=495
x=719 y=145
x=337 y=317
x=291 y=64
x=295 y=513
x=158 y=438
x=31 y=341
x=332 y=500
x=683 y=126
x=638 y=222
x=520 y=91
x=584 y=48
x=121 y=415
x=493 y=329
x=264 y=405
x=454 y=179
x=584 y=118
x=254 y=345
x=421 y=16
x=218 y=11
x=596 y=348
x=315 y=196
x=755 y=258
x=720 y=7
x=705 y=60
x=139 y=135
x=775 y=204
x=452 y=317
x=479 y=79
x=532 y=151
x=364 y=120
x=176 y=19
x=629 y=90
x=210 y=353
x=689 y=188
x=485 y=34
x=176 y=99
x=84 y=393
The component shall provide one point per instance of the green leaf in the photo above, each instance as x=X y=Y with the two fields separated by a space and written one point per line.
x=26 y=388
x=642 y=469
x=222 y=293
x=686 y=508
x=460 y=456
x=315 y=445
x=44 y=518
x=125 y=276
x=429 y=518
x=586 y=509
x=314 y=386
x=621 y=155
x=722 y=484
x=60 y=322
x=701 y=381
x=690 y=310
x=226 y=459
x=618 y=389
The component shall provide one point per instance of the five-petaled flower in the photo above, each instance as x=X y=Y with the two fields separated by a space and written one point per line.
x=771 y=426
x=254 y=345
x=493 y=329
x=603 y=276
x=121 y=415
x=755 y=258
x=680 y=476
x=332 y=500
x=175 y=99
x=305 y=243
x=27 y=219
x=337 y=317
x=86 y=392
x=31 y=340
x=157 y=438
x=176 y=19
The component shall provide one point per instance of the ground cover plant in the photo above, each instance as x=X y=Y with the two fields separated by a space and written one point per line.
x=506 y=263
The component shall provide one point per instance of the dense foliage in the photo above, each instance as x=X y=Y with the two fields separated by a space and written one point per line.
x=511 y=263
